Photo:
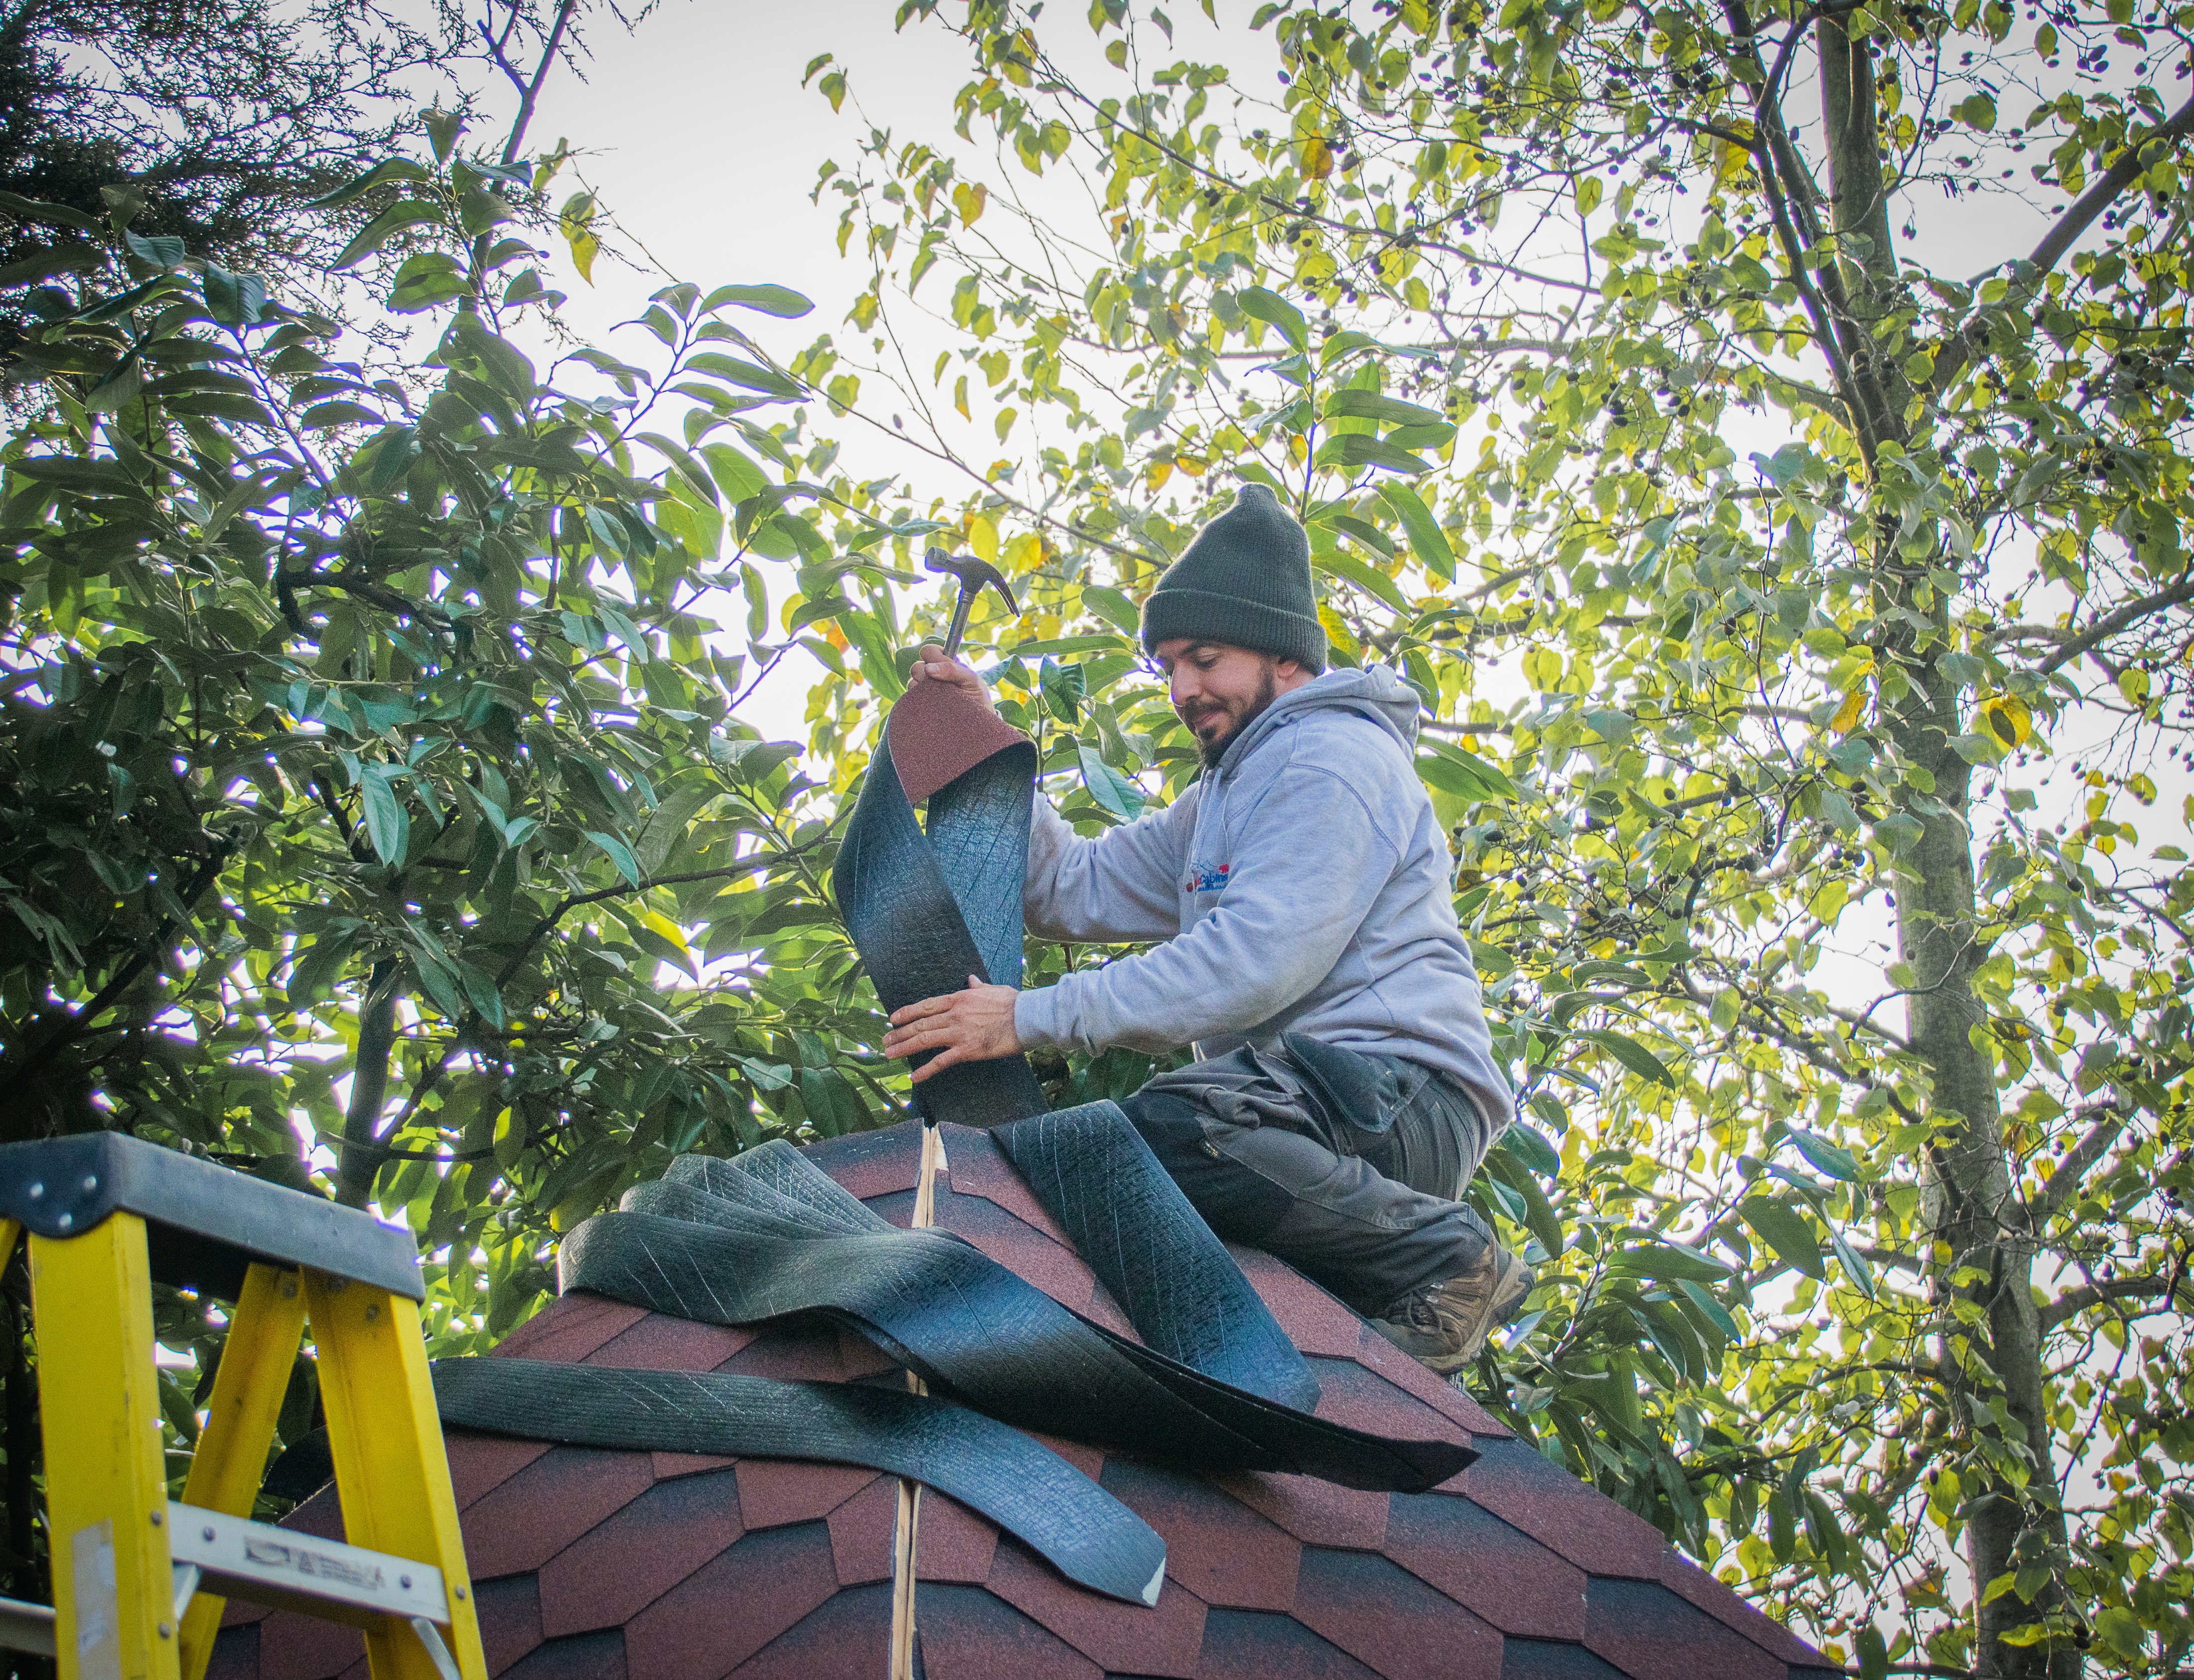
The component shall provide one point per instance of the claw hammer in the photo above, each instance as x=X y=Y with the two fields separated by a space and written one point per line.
x=973 y=574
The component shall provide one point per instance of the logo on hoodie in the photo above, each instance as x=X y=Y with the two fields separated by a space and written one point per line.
x=1207 y=880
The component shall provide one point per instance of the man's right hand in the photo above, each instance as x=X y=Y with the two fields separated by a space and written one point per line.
x=932 y=667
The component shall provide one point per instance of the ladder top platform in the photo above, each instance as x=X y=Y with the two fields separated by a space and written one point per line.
x=209 y=1223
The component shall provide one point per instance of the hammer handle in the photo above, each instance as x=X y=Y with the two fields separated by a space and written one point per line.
x=960 y=608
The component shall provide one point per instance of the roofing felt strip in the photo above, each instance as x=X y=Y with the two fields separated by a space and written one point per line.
x=745 y=1241
x=927 y=910
x=1083 y=1532
x=1152 y=1249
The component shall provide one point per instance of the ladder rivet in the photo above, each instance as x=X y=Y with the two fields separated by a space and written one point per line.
x=37 y=1191
x=166 y=1631
x=65 y=1221
x=90 y=1183
x=461 y=1593
x=157 y=1517
x=404 y=1581
x=205 y=1533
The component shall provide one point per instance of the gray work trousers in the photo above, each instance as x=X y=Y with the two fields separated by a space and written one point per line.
x=1369 y=1211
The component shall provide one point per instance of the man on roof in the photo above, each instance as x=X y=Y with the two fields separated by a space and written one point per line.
x=1344 y=1089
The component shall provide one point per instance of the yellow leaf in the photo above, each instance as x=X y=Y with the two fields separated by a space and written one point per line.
x=983 y=539
x=584 y=247
x=1160 y=471
x=968 y=198
x=657 y=921
x=1848 y=714
x=2009 y=720
x=577 y=221
x=1317 y=158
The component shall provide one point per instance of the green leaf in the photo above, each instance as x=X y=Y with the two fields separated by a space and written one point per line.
x=667 y=823
x=1463 y=775
x=1357 y=449
x=1632 y=1054
x=771 y=300
x=1673 y=1261
x=387 y=820
x=618 y=854
x=393 y=168
x=1829 y=1157
x=53 y=215
x=1523 y=1141
x=1353 y=405
x=404 y=213
x=1108 y=787
x=89 y=477
x=1712 y=1309
x=1426 y=540
x=683 y=463
x=1784 y=1229
x=1114 y=607
x=1275 y=310
x=58 y=260
x=746 y=375
x=162 y=251
x=737 y=477
x=1854 y=1263
x=1365 y=577
x=234 y=300
x=321 y=415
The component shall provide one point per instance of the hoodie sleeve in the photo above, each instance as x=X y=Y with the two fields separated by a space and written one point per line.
x=1124 y=884
x=1314 y=861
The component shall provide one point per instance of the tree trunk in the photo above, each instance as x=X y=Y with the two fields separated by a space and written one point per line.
x=1970 y=1205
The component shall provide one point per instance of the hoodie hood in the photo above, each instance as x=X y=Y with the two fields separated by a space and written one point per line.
x=1375 y=693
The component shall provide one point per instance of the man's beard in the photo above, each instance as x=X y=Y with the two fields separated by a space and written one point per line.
x=1216 y=748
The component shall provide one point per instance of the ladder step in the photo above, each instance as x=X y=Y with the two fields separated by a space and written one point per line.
x=266 y=1565
x=26 y=1627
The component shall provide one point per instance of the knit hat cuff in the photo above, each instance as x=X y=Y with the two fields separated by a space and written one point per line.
x=1203 y=615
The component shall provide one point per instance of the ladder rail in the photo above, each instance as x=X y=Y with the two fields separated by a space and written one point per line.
x=264 y=1334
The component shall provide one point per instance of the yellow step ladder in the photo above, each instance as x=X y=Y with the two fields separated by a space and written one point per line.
x=139 y=1580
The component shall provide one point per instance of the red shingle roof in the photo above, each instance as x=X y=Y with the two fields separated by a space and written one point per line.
x=597 y=1565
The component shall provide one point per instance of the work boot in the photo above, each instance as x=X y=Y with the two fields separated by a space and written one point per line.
x=1443 y=1324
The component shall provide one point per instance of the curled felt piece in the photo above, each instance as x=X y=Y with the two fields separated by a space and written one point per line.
x=1075 y=1525
x=926 y=909
x=766 y=1235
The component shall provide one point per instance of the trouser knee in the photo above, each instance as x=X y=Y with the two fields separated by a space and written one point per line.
x=1239 y=1204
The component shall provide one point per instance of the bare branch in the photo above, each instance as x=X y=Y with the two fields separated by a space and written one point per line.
x=2066 y=1177
x=2074 y=1301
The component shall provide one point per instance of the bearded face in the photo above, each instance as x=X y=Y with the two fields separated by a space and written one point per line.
x=1219 y=690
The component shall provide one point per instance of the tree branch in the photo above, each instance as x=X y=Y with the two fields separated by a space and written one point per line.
x=525 y=117
x=2129 y=167
x=2075 y=1302
x=2066 y=1177
x=2111 y=623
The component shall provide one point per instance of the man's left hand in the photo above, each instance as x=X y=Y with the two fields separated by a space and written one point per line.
x=976 y=1025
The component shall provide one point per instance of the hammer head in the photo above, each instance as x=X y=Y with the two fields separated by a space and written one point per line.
x=973 y=574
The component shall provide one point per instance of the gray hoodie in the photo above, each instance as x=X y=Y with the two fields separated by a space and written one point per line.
x=1302 y=885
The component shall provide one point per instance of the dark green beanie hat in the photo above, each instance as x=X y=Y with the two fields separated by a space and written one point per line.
x=1244 y=581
